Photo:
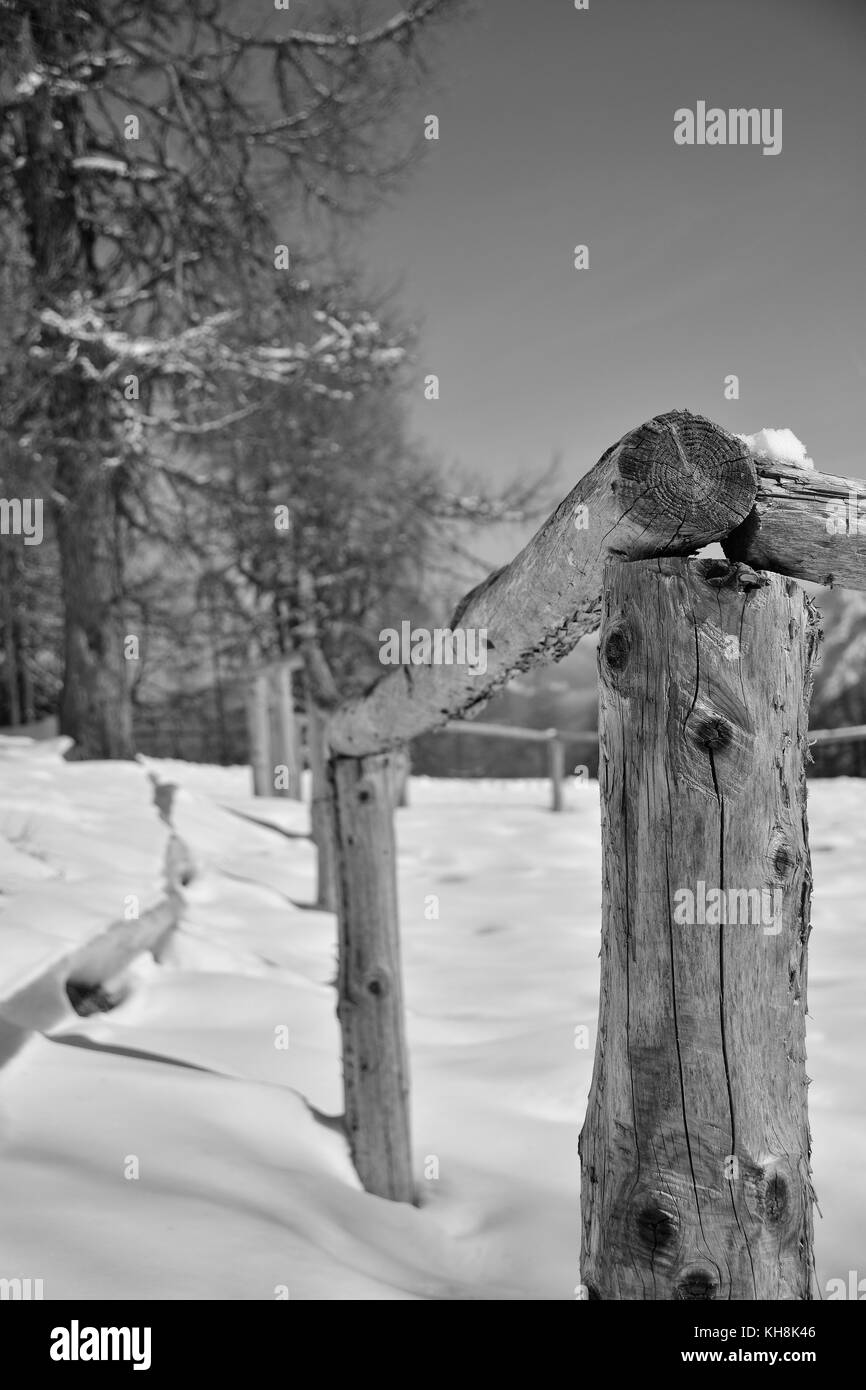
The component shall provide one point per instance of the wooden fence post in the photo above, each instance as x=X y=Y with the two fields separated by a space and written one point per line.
x=556 y=769
x=321 y=697
x=370 y=1007
x=401 y=766
x=286 y=751
x=695 y=1150
x=321 y=822
x=258 y=725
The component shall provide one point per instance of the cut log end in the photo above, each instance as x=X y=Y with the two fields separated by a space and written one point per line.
x=683 y=471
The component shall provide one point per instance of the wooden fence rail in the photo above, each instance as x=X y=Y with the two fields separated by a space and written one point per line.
x=851 y=733
x=675 y=484
x=665 y=490
x=804 y=524
x=554 y=739
x=845 y=733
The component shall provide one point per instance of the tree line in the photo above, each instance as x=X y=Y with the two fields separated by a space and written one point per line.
x=194 y=374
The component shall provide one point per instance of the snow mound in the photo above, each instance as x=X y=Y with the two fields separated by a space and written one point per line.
x=781 y=446
x=79 y=843
x=219 y=1073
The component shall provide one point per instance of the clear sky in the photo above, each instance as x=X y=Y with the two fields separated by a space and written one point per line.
x=557 y=128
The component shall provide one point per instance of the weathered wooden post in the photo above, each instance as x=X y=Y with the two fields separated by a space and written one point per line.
x=695 y=1149
x=370 y=992
x=258 y=726
x=556 y=769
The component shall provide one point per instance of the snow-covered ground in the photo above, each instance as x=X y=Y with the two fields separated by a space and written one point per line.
x=243 y=1188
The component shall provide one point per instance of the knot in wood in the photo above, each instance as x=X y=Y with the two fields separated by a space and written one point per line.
x=616 y=649
x=773 y=1202
x=657 y=1226
x=712 y=732
x=696 y=1285
x=378 y=983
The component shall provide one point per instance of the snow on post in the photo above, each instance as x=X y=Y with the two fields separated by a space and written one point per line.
x=808 y=524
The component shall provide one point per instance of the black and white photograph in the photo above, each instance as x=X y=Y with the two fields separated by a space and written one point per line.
x=432 y=670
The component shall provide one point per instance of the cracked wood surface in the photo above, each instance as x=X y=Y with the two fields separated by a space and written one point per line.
x=695 y=1150
x=669 y=487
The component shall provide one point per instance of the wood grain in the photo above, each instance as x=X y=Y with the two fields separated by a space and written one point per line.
x=695 y=1150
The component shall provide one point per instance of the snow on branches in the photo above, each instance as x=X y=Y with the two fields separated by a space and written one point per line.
x=345 y=355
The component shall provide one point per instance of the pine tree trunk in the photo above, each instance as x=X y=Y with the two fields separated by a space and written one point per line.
x=95 y=709
x=695 y=1151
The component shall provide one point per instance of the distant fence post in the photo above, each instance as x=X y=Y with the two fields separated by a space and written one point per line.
x=695 y=1151
x=398 y=776
x=321 y=826
x=556 y=769
x=286 y=752
x=258 y=726
x=370 y=999
x=320 y=698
